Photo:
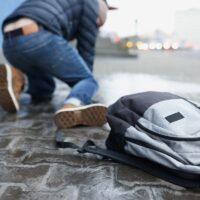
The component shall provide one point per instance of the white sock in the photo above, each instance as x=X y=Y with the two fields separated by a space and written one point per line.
x=74 y=101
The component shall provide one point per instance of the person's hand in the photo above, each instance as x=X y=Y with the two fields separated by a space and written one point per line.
x=102 y=15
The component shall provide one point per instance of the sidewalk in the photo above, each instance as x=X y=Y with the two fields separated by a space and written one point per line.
x=32 y=168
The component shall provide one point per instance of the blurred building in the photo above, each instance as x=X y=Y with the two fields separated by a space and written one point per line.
x=187 y=26
x=112 y=46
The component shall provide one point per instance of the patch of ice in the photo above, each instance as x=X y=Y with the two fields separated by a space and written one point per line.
x=112 y=87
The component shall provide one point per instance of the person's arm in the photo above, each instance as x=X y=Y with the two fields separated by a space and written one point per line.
x=86 y=38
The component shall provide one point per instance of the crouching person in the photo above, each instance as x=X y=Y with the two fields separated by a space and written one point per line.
x=36 y=42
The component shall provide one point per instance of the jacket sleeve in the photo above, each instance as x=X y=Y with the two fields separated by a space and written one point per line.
x=86 y=37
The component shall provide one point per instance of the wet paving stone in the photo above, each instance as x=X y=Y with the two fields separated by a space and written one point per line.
x=32 y=127
x=167 y=194
x=129 y=175
x=29 y=176
x=12 y=157
x=34 y=144
x=68 y=157
x=111 y=192
x=4 y=142
x=12 y=192
x=64 y=175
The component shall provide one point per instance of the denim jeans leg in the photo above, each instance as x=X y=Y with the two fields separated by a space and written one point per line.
x=75 y=70
x=78 y=90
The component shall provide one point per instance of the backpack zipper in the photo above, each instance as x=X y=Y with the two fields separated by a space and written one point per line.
x=166 y=137
x=146 y=145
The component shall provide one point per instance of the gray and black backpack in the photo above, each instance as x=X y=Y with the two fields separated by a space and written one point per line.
x=156 y=132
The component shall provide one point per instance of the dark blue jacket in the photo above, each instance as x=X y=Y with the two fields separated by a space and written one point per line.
x=71 y=19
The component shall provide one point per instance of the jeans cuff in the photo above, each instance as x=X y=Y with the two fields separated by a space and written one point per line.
x=26 y=84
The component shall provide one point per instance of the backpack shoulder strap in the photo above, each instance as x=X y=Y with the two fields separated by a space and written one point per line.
x=173 y=176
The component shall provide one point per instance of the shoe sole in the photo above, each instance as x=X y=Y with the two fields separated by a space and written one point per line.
x=91 y=115
x=8 y=100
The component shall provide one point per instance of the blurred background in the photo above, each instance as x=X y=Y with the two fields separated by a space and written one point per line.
x=146 y=25
x=155 y=25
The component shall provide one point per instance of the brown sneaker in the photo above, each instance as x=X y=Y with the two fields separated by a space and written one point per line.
x=11 y=83
x=90 y=115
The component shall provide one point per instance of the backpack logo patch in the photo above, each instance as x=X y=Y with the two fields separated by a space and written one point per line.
x=174 y=117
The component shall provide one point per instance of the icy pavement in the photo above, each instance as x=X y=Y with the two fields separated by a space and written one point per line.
x=31 y=167
x=116 y=85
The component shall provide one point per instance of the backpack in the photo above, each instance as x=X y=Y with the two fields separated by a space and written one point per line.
x=156 y=132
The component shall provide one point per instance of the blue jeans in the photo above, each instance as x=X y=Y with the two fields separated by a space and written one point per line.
x=44 y=55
